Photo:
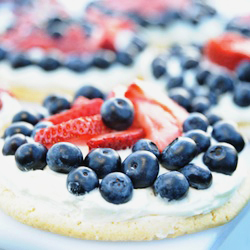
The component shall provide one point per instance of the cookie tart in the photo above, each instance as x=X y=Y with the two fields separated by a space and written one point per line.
x=47 y=49
x=130 y=168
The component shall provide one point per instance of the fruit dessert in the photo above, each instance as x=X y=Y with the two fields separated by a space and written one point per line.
x=48 y=49
x=131 y=167
x=212 y=79
x=163 y=22
x=9 y=106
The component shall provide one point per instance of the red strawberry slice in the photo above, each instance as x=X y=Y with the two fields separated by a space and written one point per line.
x=228 y=50
x=160 y=126
x=77 y=131
x=117 y=140
x=135 y=92
x=80 y=101
x=93 y=107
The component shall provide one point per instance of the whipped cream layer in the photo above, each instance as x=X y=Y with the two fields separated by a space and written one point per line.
x=48 y=189
x=10 y=106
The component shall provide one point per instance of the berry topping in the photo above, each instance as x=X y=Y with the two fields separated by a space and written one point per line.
x=117 y=113
x=227 y=132
x=179 y=153
x=175 y=82
x=12 y=143
x=159 y=66
x=243 y=71
x=189 y=63
x=195 y=121
x=142 y=168
x=242 y=95
x=31 y=156
x=77 y=131
x=49 y=64
x=202 y=76
x=82 y=180
x=199 y=178
x=126 y=57
x=212 y=118
x=201 y=138
x=19 y=61
x=26 y=116
x=221 y=158
x=220 y=84
x=104 y=58
x=103 y=161
x=145 y=144
x=116 y=140
x=200 y=104
x=92 y=107
x=181 y=96
x=78 y=65
x=171 y=186
x=116 y=188
x=56 y=103
x=89 y=92
x=228 y=50
x=3 y=54
x=63 y=157
x=24 y=128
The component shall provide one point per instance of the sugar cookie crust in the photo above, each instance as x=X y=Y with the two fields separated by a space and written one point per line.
x=146 y=228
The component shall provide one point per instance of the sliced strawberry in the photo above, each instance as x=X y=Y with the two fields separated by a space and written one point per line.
x=93 y=107
x=117 y=140
x=135 y=92
x=160 y=126
x=228 y=50
x=77 y=131
x=1 y=104
x=80 y=101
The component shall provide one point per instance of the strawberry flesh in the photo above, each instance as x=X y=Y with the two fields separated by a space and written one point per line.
x=117 y=140
x=92 y=107
x=77 y=131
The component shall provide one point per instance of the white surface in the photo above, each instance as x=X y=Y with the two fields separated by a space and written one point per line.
x=16 y=236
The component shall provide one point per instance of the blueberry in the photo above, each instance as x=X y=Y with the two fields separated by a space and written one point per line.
x=89 y=92
x=127 y=56
x=39 y=126
x=103 y=59
x=189 y=63
x=212 y=118
x=195 y=121
x=148 y=145
x=200 y=104
x=19 y=61
x=117 y=113
x=171 y=186
x=77 y=64
x=201 y=138
x=49 y=64
x=12 y=143
x=221 y=83
x=26 y=116
x=62 y=157
x=242 y=95
x=56 y=103
x=116 y=188
x=31 y=156
x=142 y=167
x=3 y=54
x=81 y=180
x=224 y=131
x=159 y=65
x=56 y=27
x=19 y=128
x=181 y=96
x=103 y=161
x=202 y=76
x=139 y=43
x=212 y=97
x=199 y=178
x=243 y=71
x=178 y=153
x=174 y=82
x=221 y=158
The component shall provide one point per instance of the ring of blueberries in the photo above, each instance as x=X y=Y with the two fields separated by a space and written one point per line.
x=102 y=167
x=209 y=85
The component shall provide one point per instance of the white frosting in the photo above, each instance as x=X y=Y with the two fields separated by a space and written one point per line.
x=10 y=106
x=50 y=187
